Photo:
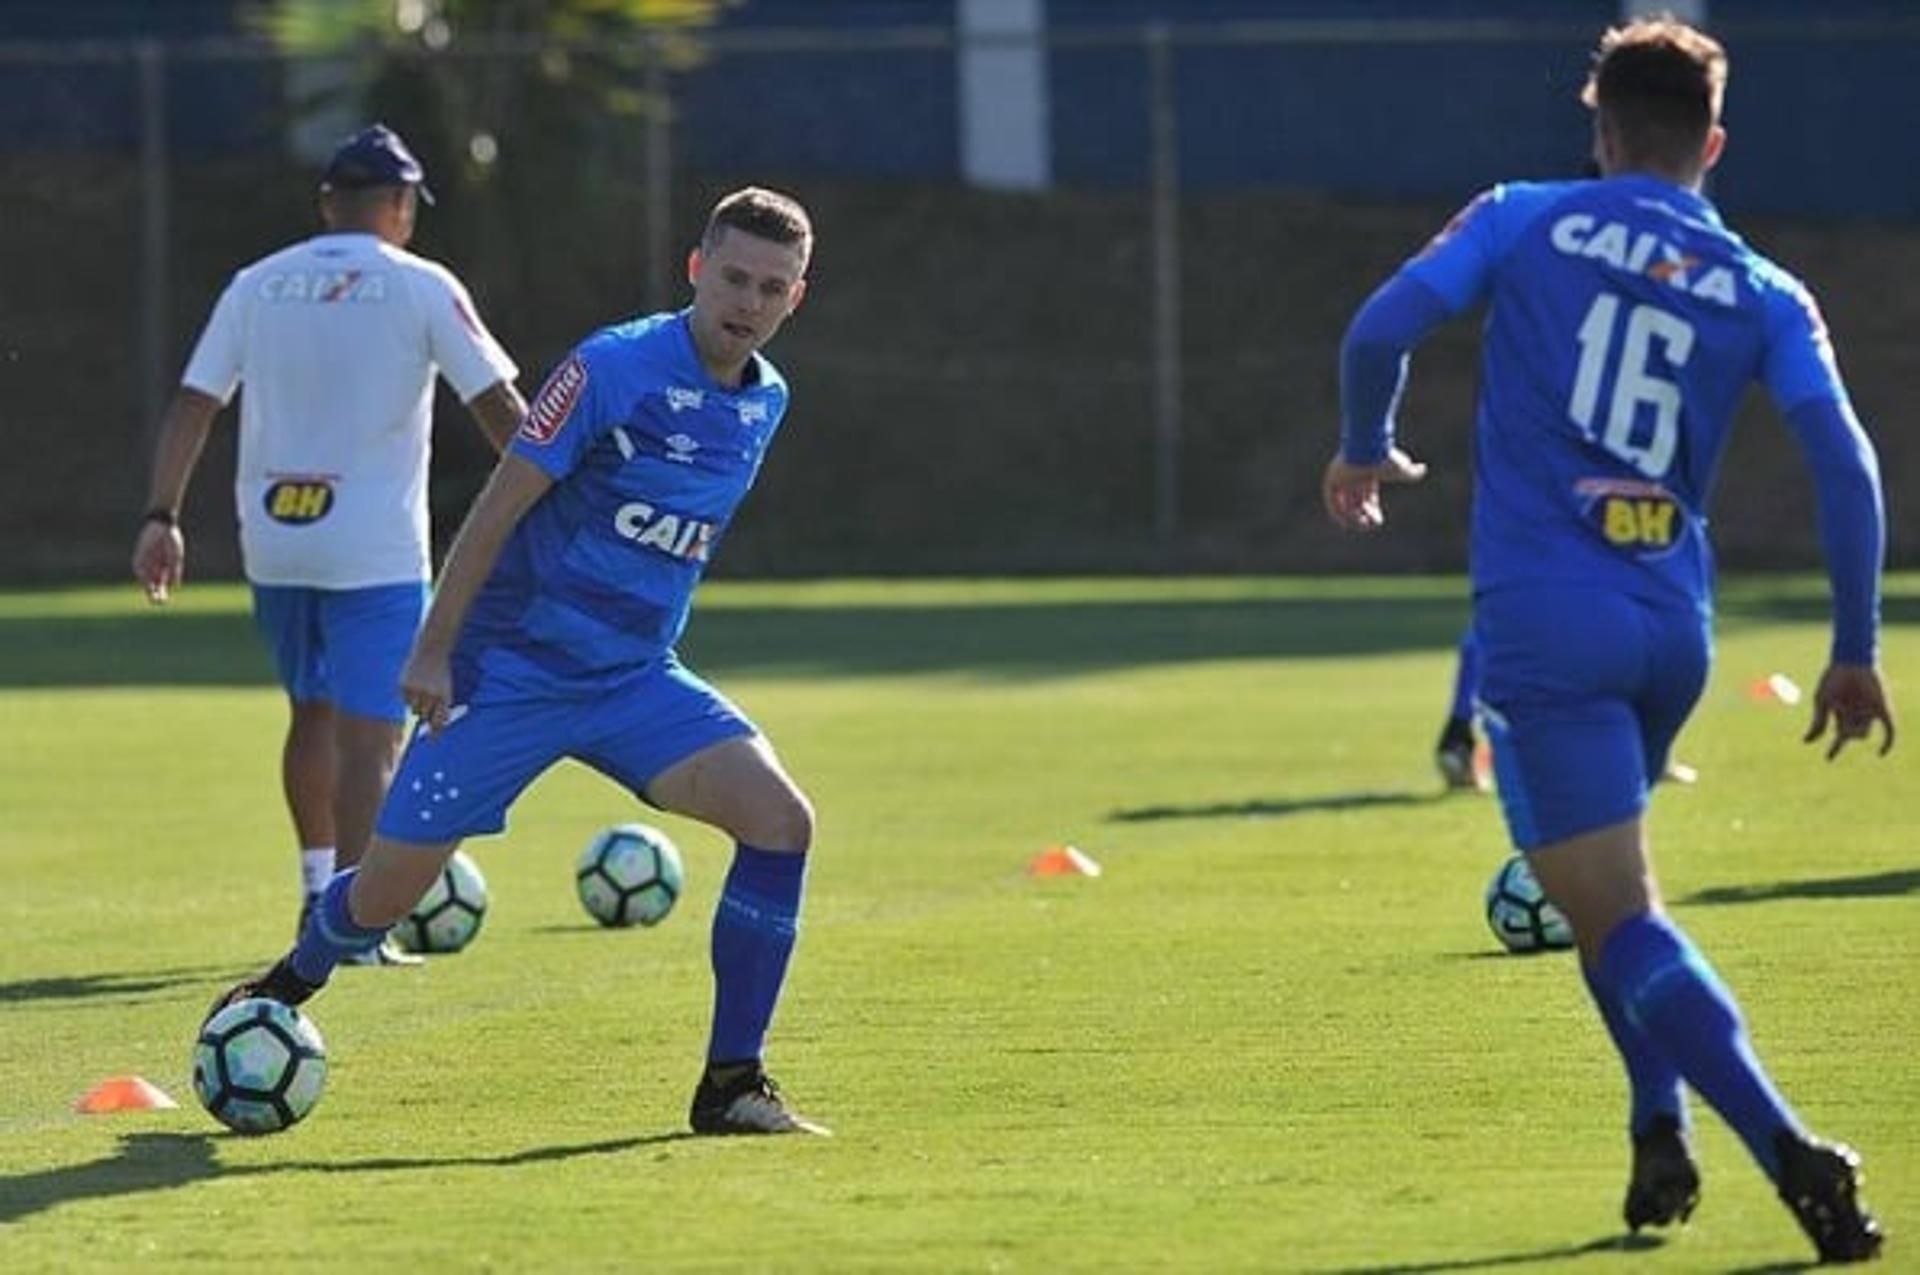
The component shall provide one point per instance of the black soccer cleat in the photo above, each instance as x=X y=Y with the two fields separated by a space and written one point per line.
x=1455 y=757
x=746 y=1101
x=1665 y=1187
x=1820 y=1183
x=278 y=984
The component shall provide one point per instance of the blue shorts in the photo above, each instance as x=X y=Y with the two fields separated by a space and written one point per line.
x=1581 y=694
x=458 y=781
x=343 y=647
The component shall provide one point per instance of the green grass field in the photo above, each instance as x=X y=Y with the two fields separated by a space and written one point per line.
x=1274 y=1036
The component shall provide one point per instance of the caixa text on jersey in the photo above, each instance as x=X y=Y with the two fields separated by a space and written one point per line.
x=689 y=539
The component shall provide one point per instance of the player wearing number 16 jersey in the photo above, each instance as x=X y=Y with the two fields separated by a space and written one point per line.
x=1624 y=322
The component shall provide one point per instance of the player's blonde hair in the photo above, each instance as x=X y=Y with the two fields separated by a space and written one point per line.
x=764 y=213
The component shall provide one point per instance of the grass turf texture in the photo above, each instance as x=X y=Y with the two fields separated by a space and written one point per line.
x=1276 y=1035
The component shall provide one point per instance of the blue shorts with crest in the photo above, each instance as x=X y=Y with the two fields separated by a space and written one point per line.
x=459 y=781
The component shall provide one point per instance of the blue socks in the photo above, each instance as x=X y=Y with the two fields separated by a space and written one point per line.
x=1654 y=1082
x=330 y=934
x=1466 y=678
x=754 y=929
x=1666 y=989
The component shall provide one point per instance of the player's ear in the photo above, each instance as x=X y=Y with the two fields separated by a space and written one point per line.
x=1716 y=146
x=694 y=262
x=1602 y=146
x=795 y=297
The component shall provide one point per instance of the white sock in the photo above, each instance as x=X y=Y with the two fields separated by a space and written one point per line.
x=316 y=869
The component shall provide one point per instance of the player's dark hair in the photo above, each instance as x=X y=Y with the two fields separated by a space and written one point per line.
x=356 y=203
x=1658 y=85
x=765 y=214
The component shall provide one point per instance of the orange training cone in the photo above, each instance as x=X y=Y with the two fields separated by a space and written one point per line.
x=1062 y=861
x=124 y=1093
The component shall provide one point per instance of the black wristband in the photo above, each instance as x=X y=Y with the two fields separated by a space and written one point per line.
x=166 y=517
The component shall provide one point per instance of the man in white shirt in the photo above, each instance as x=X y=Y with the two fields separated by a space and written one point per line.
x=337 y=340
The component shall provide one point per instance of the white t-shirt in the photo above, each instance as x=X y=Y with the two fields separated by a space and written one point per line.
x=336 y=341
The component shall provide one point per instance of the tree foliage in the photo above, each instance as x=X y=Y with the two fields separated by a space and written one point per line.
x=323 y=27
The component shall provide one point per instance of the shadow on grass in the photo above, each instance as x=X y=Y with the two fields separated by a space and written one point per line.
x=1877 y=884
x=1275 y=807
x=65 y=987
x=996 y=640
x=149 y=1162
x=142 y=647
x=1748 y=604
x=1622 y=1244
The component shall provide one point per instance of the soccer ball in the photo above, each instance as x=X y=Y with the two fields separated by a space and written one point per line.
x=629 y=875
x=1518 y=912
x=259 y=1066
x=448 y=915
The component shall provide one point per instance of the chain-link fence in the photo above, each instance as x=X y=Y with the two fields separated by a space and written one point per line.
x=1131 y=365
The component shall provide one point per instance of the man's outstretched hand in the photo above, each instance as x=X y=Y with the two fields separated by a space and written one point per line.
x=1851 y=697
x=1352 y=492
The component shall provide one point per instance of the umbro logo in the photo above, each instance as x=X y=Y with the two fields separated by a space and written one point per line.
x=684 y=400
x=752 y=411
x=681 y=447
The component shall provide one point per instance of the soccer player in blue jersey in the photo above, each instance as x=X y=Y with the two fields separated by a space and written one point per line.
x=552 y=630
x=1624 y=320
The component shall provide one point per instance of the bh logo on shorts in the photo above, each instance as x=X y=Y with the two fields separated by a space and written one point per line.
x=297 y=501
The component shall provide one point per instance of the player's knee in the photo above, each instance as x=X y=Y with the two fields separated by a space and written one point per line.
x=369 y=742
x=783 y=822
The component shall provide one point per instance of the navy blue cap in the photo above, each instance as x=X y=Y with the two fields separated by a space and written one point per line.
x=374 y=156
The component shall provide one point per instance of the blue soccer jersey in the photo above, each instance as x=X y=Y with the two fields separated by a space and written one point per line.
x=650 y=457
x=1625 y=323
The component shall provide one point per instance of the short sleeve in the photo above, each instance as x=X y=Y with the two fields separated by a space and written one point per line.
x=463 y=349
x=1799 y=366
x=570 y=413
x=214 y=369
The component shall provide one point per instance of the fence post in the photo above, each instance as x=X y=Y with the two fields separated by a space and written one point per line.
x=1165 y=305
x=155 y=300
x=659 y=168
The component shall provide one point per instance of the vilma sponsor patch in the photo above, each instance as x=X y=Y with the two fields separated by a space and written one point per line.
x=551 y=407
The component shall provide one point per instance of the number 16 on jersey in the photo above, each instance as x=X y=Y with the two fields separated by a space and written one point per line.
x=1635 y=382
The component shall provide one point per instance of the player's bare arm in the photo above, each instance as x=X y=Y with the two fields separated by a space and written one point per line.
x=498 y=411
x=1351 y=492
x=1852 y=698
x=160 y=550
x=427 y=682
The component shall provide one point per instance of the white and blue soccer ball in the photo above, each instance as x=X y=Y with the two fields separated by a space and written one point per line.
x=259 y=1066
x=448 y=915
x=1518 y=912
x=630 y=874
